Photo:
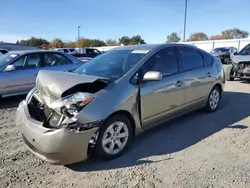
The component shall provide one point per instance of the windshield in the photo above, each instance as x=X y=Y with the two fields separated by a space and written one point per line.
x=4 y=59
x=112 y=64
x=245 y=50
x=221 y=50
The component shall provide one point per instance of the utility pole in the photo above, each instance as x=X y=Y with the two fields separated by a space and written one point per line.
x=79 y=36
x=185 y=19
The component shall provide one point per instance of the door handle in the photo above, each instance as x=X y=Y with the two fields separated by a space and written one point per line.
x=209 y=74
x=178 y=83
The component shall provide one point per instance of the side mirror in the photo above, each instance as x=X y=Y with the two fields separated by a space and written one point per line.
x=9 y=68
x=152 y=76
x=235 y=53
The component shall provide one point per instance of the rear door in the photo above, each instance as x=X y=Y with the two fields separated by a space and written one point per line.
x=197 y=75
x=57 y=61
x=22 y=79
x=160 y=99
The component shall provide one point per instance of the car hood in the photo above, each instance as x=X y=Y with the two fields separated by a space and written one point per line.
x=52 y=85
x=240 y=58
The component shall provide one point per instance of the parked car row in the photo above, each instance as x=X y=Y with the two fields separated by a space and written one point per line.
x=18 y=69
x=103 y=104
x=84 y=54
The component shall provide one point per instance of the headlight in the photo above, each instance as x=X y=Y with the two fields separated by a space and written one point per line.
x=72 y=104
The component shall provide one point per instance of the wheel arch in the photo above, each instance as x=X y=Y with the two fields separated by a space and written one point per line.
x=128 y=115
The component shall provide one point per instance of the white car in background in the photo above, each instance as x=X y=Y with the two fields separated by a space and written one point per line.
x=67 y=50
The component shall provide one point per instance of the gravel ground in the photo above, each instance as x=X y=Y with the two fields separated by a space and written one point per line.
x=198 y=150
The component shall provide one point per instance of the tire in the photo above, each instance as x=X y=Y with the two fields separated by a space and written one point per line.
x=103 y=150
x=229 y=74
x=213 y=101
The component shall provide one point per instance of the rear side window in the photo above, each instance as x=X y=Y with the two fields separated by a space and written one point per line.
x=190 y=58
x=54 y=59
x=208 y=57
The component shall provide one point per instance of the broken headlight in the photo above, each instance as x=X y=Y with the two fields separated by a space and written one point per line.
x=72 y=104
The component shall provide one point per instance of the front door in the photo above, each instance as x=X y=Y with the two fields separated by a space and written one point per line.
x=161 y=98
x=22 y=79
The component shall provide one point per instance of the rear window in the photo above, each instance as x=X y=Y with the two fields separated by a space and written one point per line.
x=208 y=57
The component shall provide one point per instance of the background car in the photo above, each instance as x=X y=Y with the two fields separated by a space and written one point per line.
x=66 y=50
x=3 y=51
x=114 y=97
x=86 y=54
x=18 y=69
x=240 y=65
x=224 y=53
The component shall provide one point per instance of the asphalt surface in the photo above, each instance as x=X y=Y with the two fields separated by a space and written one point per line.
x=199 y=150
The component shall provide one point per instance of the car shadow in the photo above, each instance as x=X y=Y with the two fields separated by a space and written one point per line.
x=11 y=102
x=176 y=135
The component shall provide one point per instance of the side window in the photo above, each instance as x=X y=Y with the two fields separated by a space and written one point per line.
x=190 y=58
x=208 y=57
x=65 y=50
x=164 y=61
x=28 y=61
x=54 y=59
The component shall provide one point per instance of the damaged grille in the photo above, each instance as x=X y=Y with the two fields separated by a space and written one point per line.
x=244 y=64
x=41 y=112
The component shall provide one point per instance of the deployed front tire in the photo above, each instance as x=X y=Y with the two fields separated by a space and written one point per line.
x=114 y=137
x=213 y=99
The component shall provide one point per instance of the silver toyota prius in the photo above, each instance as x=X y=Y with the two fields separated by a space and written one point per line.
x=101 y=106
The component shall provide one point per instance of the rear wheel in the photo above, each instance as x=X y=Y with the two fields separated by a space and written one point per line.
x=114 y=137
x=213 y=99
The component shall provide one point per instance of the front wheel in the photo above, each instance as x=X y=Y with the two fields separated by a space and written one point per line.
x=213 y=100
x=114 y=137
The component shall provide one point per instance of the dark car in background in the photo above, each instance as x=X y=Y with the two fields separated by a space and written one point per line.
x=224 y=53
x=86 y=54
x=3 y=51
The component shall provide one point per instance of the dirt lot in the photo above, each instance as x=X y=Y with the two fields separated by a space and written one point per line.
x=198 y=150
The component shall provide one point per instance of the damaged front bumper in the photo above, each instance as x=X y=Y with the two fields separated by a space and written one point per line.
x=57 y=146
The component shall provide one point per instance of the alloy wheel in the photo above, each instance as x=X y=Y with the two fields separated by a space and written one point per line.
x=214 y=99
x=115 y=138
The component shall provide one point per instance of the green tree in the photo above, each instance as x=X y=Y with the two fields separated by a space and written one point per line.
x=173 y=37
x=125 y=40
x=111 y=42
x=56 y=43
x=33 y=41
x=96 y=43
x=234 y=33
x=200 y=36
x=83 y=42
x=136 y=40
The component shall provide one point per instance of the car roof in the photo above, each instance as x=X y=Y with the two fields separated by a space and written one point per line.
x=150 y=46
x=22 y=52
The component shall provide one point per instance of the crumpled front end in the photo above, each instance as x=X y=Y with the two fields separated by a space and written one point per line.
x=48 y=118
x=56 y=146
